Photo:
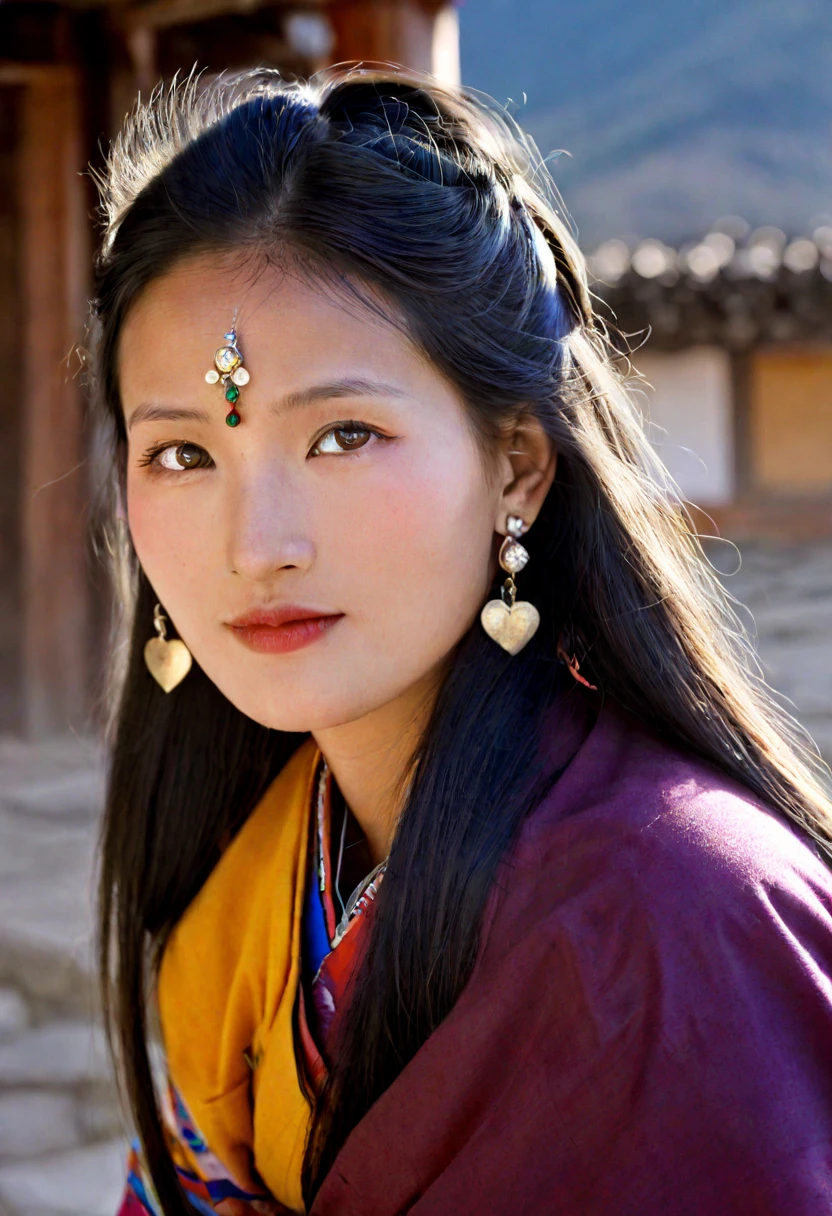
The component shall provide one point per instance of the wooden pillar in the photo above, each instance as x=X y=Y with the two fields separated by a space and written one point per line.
x=53 y=259
x=10 y=421
x=744 y=473
x=421 y=34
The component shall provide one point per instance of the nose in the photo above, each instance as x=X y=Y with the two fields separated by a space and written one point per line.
x=267 y=528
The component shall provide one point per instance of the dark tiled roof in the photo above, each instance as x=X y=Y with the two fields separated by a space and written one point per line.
x=733 y=287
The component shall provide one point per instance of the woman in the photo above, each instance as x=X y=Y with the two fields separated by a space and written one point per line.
x=471 y=865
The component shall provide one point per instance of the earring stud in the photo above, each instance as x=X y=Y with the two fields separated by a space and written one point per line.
x=228 y=369
x=514 y=556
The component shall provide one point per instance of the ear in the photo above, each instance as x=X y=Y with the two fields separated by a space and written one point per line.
x=527 y=463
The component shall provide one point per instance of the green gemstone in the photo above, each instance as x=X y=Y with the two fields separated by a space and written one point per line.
x=233 y=418
x=232 y=393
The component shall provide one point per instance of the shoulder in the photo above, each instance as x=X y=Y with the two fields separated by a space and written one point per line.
x=645 y=830
x=658 y=960
x=646 y=802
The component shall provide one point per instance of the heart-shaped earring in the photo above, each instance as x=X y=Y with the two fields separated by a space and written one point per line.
x=510 y=622
x=168 y=661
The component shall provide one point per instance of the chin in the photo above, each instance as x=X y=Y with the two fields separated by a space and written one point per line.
x=301 y=710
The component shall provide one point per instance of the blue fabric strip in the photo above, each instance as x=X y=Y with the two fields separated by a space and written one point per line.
x=316 y=944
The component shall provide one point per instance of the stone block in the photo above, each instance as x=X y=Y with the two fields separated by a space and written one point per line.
x=14 y=1013
x=34 y=1123
x=83 y=1182
x=62 y=1053
x=67 y=794
x=99 y=1113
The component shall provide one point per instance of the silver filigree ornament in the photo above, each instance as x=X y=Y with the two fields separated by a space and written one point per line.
x=513 y=555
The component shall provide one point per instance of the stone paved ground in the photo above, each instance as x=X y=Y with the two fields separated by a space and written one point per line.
x=786 y=591
x=61 y=1138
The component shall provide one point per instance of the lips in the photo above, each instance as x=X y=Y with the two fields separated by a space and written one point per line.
x=282 y=615
x=282 y=629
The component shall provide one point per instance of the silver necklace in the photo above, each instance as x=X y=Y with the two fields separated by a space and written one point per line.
x=365 y=892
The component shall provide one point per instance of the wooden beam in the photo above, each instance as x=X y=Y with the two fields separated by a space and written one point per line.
x=12 y=73
x=54 y=255
x=163 y=14
x=421 y=34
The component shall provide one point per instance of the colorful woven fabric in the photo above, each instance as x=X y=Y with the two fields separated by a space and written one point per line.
x=203 y=1178
x=330 y=945
x=329 y=952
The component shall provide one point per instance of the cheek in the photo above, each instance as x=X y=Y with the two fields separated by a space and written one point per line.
x=424 y=541
x=170 y=539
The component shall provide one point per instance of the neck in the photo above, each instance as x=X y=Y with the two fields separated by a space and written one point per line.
x=369 y=759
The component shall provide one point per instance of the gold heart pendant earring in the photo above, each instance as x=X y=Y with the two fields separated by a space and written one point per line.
x=168 y=661
x=510 y=622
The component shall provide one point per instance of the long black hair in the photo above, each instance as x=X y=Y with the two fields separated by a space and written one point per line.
x=430 y=203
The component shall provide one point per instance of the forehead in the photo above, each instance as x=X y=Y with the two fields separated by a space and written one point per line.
x=285 y=322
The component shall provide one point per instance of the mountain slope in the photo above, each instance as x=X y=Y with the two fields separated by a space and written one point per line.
x=673 y=115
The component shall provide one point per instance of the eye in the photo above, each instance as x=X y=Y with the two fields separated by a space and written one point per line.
x=176 y=457
x=347 y=437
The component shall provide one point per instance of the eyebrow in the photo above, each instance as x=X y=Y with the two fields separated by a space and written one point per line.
x=348 y=386
x=165 y=413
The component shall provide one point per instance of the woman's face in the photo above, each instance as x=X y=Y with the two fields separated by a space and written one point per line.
x=352 y=500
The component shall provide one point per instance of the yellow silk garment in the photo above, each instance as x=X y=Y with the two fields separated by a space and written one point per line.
x=227 y=987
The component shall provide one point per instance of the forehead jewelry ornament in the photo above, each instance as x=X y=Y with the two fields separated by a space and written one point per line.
x=228 y=371
x=510 y=622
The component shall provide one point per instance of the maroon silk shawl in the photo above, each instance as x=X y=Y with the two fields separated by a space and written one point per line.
x=648 y=1028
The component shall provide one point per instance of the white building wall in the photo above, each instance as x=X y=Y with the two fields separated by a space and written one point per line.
x=688 y=412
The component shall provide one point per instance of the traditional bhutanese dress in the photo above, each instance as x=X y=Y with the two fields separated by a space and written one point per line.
x=647 y=1028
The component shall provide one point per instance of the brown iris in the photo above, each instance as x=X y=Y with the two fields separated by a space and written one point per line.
x=350 y=439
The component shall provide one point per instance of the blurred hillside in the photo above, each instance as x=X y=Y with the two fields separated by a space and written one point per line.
x=673 y=115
